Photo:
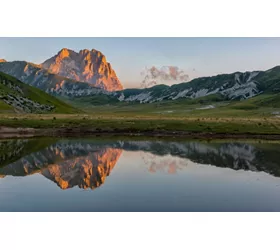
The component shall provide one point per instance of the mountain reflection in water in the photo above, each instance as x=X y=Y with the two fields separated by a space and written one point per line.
x=87 y=163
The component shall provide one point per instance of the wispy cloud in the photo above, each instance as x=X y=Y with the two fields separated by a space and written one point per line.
x=154 y=75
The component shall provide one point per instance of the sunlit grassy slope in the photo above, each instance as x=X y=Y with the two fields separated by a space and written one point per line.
x=31 y=93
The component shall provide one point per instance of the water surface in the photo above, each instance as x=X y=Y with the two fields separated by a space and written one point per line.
x=103 y=174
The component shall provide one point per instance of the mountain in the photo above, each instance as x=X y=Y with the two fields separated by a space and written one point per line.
x=86 y=66
x=20 y=97
x=235 y=86
x=41 y=78
x=87 y=77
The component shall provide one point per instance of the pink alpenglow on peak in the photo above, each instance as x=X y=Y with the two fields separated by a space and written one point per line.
x=86 y=66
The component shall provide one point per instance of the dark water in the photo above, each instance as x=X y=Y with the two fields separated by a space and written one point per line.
x=136 y=175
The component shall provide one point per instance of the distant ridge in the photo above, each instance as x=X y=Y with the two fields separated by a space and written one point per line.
x=235 y=86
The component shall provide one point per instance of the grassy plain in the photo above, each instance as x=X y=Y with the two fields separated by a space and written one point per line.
x=253 y=116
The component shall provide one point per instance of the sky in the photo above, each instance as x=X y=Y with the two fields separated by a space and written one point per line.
x=196 y=57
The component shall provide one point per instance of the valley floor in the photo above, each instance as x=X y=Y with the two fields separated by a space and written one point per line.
x=244 y=119
x=176 y=126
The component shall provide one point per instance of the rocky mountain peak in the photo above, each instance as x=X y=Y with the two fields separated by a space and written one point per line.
x=88 y=66
x=64 y=53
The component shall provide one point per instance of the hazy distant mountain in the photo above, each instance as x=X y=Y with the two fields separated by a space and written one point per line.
x=86 y=66
x=235 y=86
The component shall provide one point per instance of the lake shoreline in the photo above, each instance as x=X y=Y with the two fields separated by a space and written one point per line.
x=10 y=132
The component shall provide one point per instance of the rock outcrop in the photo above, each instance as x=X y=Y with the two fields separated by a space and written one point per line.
x=88 y=66
x=41 y=78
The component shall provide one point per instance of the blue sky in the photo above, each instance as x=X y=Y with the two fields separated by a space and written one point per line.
x=129 y=56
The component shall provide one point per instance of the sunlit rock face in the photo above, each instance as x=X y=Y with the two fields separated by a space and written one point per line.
x=85 y=172
x=86 y=66
x=37 y=76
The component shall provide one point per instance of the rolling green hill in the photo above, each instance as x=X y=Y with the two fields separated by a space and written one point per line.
x=16 y=96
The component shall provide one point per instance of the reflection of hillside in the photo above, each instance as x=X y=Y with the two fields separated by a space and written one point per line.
x=68 y=164
x=12 y=150
x=87 y=163
x=253 y=157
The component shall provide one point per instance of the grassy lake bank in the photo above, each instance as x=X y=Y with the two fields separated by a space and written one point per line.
x=156 y=125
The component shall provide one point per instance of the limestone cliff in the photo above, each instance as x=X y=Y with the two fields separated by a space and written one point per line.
x=88 y=66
